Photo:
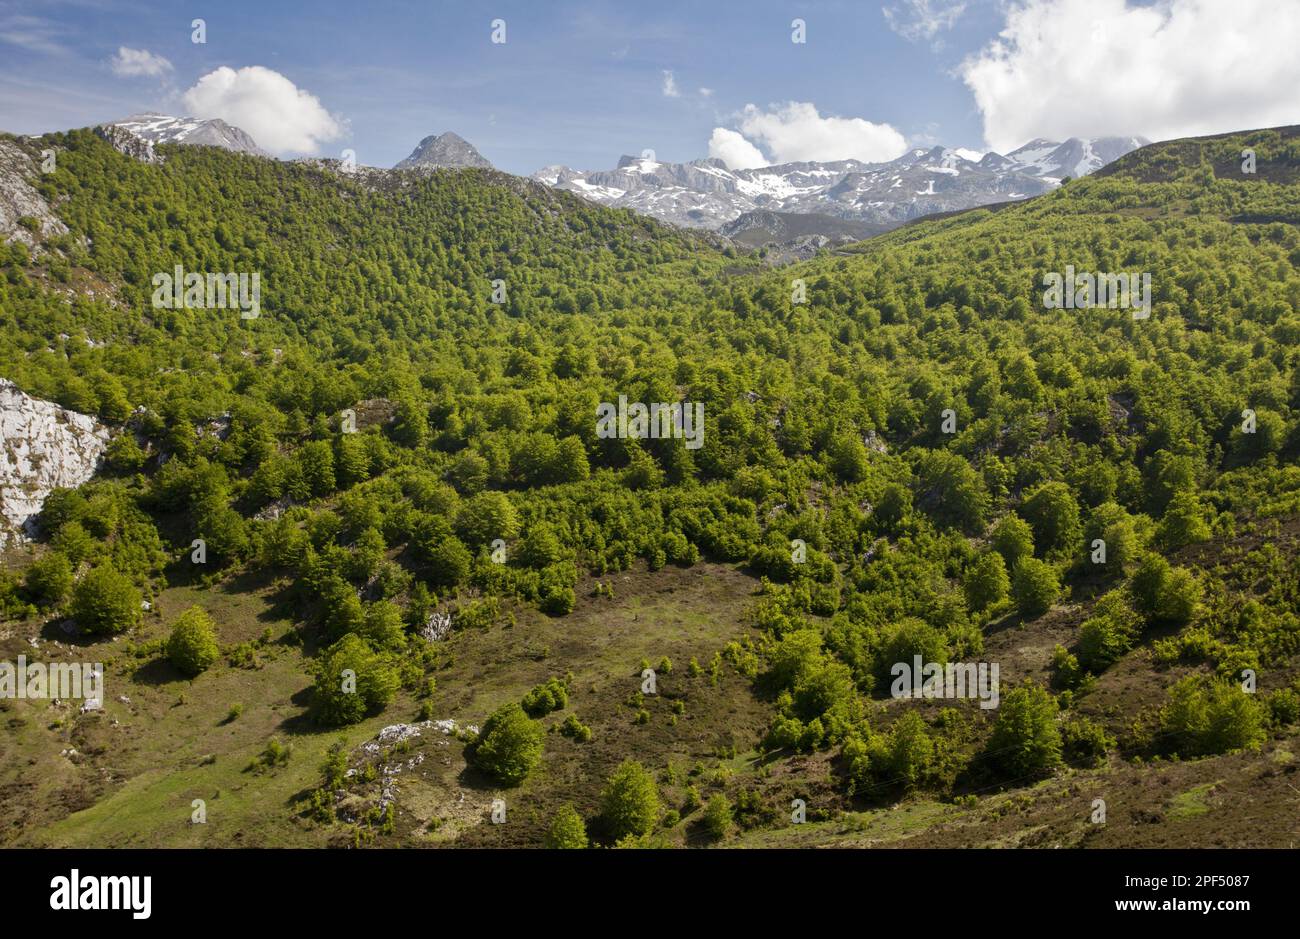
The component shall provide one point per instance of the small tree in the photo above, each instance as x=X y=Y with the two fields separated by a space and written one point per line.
x=1035 y=587
x=351 y=681
x=1025 y=739
x=1013 y=539
x=567 y=830
x=49 y=580
x=192 y=646
x=509 y=746
x=630 y=802
x=718 y=816
x=105 y=602
x=987 y=584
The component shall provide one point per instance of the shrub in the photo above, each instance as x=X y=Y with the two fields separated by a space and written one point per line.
x=630 y=801
x=1108 y=633
x=1204 y=716
x=1035 y=587
x=1163 y=593
x=567 y=830
x=49 y=580
x=544 y=699
x=509 y=747
x=346 y=699
x=718 y=816
x=987 y=583
x=1013 y=539
x=192 y=646
x=105 y=602
x=575 y=729
x=1085 y=743
x=1025 y=739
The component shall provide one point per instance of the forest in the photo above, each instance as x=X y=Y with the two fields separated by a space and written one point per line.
x=903 y=447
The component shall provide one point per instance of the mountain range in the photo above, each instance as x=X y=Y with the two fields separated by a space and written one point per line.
x=836 y=201
x=706 y=194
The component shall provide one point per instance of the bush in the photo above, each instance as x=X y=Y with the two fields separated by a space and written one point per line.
x=1163 y=593
x=341 y=699
x=509 y=747
x=987 y=583
x=1025 y=740
x=1085 y=743
x=1108 y=633
x=1035 y=587
x=718 y=816
x=1204 y=716
x=1013 y=539
x=105 y=602
x=567 y=830
x=630 y=802
x=1284 y=707
x=544 y=699
x=49 y=580
x=575 y=729
x=192 y=646
x=1053 y=513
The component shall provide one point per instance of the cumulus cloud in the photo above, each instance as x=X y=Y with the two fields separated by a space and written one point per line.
x=670 y=85
x=734 y=150
x=1064 y=68
x=923 y=19
x=279 y=115
x=130 y=63
x=795 y=131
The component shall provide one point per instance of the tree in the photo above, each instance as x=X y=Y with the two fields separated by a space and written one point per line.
x=352 y=680
x=486 y=516
x=1162 y=593
x=1025 y=739
x=192 y=646
x=1035 y=587
x=105 y=602
x=49 y=580
x=1053 y=513
x=1205 y=715
x=509 y=746
x=567 y=830
x=630 y=802
x=718 y=816
x=1108 y=633
x=987 y=583
x=1013 y=539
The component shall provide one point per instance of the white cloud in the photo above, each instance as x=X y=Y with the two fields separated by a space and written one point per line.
x=923 y=19
x=734 y=150
x=279 y=115
x=706 y=92
x=130 y=63
x=670 y=85
x=795 y=132
x=1065 y=68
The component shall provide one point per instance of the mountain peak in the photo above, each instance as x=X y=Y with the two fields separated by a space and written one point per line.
x=444 y=150
x=211 y=132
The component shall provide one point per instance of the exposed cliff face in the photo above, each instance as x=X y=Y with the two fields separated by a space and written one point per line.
x=42 y=447
x=21 y=204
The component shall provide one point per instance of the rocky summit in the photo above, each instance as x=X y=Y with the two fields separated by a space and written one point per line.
x=443 y=150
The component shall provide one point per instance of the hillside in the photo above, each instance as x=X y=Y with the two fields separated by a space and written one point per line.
x=919 y=459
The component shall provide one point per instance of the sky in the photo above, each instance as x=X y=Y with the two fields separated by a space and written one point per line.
x=581 y=82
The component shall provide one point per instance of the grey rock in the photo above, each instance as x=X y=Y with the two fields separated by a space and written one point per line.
x=443 y=150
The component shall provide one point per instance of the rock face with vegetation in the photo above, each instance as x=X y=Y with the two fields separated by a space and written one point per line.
x=43 y=447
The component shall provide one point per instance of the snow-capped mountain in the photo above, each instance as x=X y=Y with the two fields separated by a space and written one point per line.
x=214 y=132
x=706 y=194
x=445 y=150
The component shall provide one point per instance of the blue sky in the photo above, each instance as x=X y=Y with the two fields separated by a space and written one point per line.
x=582 y=81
